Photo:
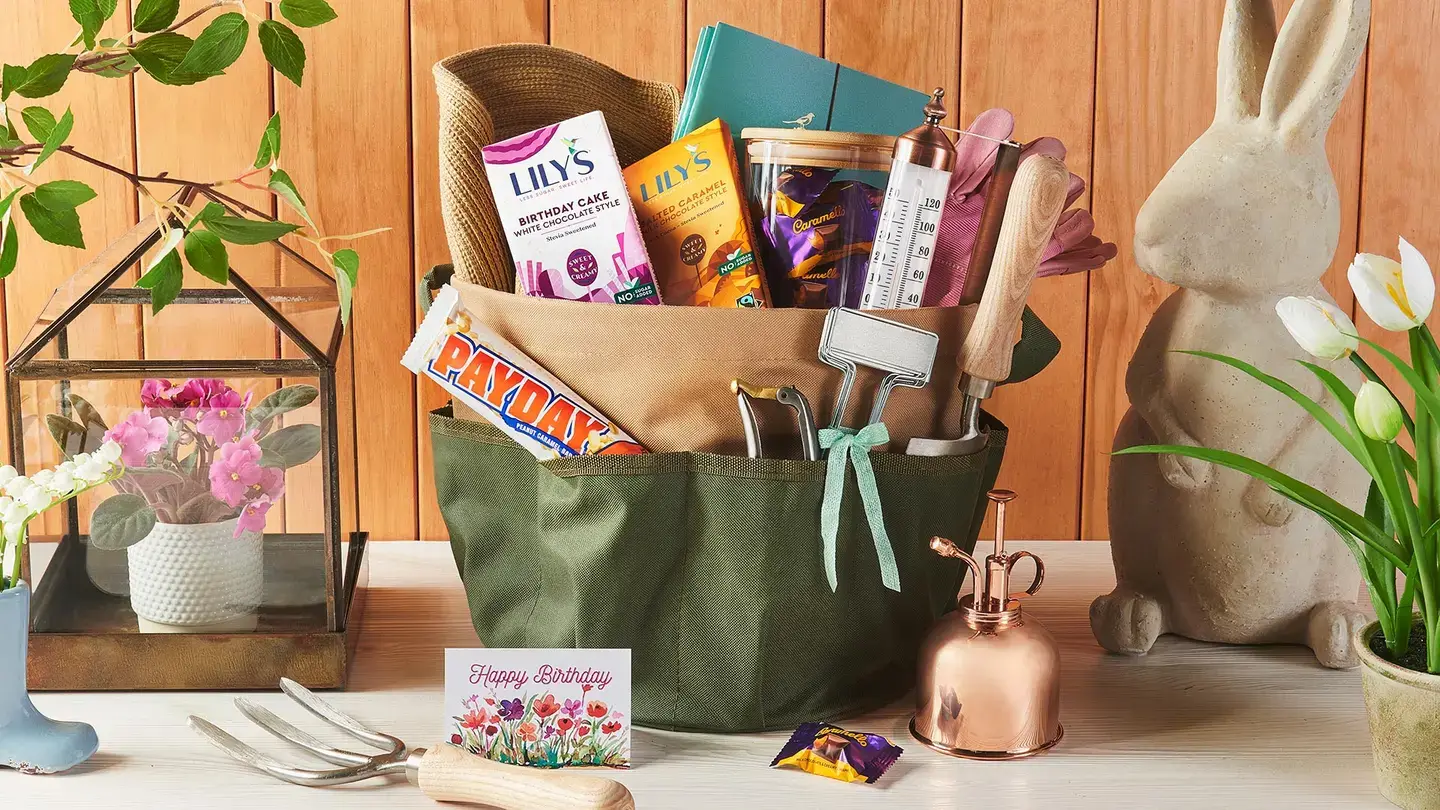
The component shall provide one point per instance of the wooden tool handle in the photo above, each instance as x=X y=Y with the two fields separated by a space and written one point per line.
x=1036 y=202
x=448 y=774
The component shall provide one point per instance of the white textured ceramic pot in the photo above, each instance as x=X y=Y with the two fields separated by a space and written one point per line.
x=1404 y=709
x=196 y=576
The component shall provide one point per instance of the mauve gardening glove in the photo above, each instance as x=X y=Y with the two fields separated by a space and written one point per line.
x=1073 y=248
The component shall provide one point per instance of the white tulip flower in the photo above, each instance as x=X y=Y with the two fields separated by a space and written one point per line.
x=42 y=477
x=66 y=466
x=1377 y=414
x=79 y=459
x=1397 y=296
x=5 y=501
x=7 y=474
x=1321 y=328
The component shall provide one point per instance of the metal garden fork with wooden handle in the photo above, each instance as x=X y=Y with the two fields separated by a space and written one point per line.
x=444 y=773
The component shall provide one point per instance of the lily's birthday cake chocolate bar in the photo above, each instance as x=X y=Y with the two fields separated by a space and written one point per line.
x=563 y=205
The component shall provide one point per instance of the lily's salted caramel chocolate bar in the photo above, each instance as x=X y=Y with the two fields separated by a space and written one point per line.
x=695 y=222
x=489 y=375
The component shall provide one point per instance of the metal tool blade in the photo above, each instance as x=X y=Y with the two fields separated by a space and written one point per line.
x=852 y=338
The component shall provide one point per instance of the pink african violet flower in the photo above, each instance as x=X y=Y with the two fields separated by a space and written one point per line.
x=195 y=395
x=158 y=394
x=244 y=447
x=230 y=479
x=223 y=416
x=139 y=436
x=270 y=486
x=252 y=517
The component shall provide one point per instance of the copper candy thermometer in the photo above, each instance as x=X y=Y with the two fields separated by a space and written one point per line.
x=989 y=675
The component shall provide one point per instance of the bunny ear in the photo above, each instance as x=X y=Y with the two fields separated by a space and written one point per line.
x=1316 y=56
x=1247 y=38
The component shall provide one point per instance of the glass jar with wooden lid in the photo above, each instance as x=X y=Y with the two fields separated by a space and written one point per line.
x=815 y=197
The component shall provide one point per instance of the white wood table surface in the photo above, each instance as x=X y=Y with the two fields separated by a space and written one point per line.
x=1191 y=725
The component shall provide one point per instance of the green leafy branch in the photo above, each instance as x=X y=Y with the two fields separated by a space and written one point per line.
x=157 y=48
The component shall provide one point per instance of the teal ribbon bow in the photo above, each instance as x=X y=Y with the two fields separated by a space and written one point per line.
x=847 y=447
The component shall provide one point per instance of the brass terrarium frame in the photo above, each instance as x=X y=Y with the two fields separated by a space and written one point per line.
x=123 y=659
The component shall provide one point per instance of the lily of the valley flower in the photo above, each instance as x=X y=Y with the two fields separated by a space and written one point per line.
x=1320 y=327
x=1377 y=414
x=1396 y=295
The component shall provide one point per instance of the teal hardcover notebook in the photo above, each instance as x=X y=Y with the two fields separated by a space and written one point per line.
x=750 y=81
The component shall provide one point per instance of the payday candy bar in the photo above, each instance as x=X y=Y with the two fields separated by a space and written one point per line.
x=487 y=373
x=826 y=750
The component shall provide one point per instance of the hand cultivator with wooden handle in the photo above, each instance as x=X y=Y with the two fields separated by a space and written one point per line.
x=443 y=773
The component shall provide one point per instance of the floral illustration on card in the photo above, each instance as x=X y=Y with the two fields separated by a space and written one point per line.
x=542 y=730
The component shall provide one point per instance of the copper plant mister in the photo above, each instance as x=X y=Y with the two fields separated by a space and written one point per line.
x=989 y=675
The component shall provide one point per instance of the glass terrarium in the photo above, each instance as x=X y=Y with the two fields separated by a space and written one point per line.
x=226 y=555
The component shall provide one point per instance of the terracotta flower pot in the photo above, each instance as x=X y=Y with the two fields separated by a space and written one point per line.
x=1404 y=709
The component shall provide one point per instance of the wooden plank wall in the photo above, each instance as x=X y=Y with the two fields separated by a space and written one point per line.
x=1127 y=84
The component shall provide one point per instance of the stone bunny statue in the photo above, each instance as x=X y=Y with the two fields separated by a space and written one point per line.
x=1248 y=214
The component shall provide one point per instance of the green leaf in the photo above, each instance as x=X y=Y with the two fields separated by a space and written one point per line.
x=307 y=13
x=90 y=16
x=242 y=231
x=218 y=46
x=94 y=423
x=163 y=281
x=347 y=278
x=1294 y=489
x=120 y=522
x=207 y=255
x=46 y=75
x=9 y=249
x=160 y=55
x=155 y=15
x=290 y=446
x=209 y=212
x=40 y=122
x=269 y=143
x=287 y=399
x=1324 y=417
x=11 y=77
x=56 y=227
x=284 y=188
x=68 y=434
x=283 y=50
x=9 y=138
x=60 y=194
x=9 y=236
x=56 y=139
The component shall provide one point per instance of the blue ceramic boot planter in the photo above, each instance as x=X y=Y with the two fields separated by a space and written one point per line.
x=30 y=742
